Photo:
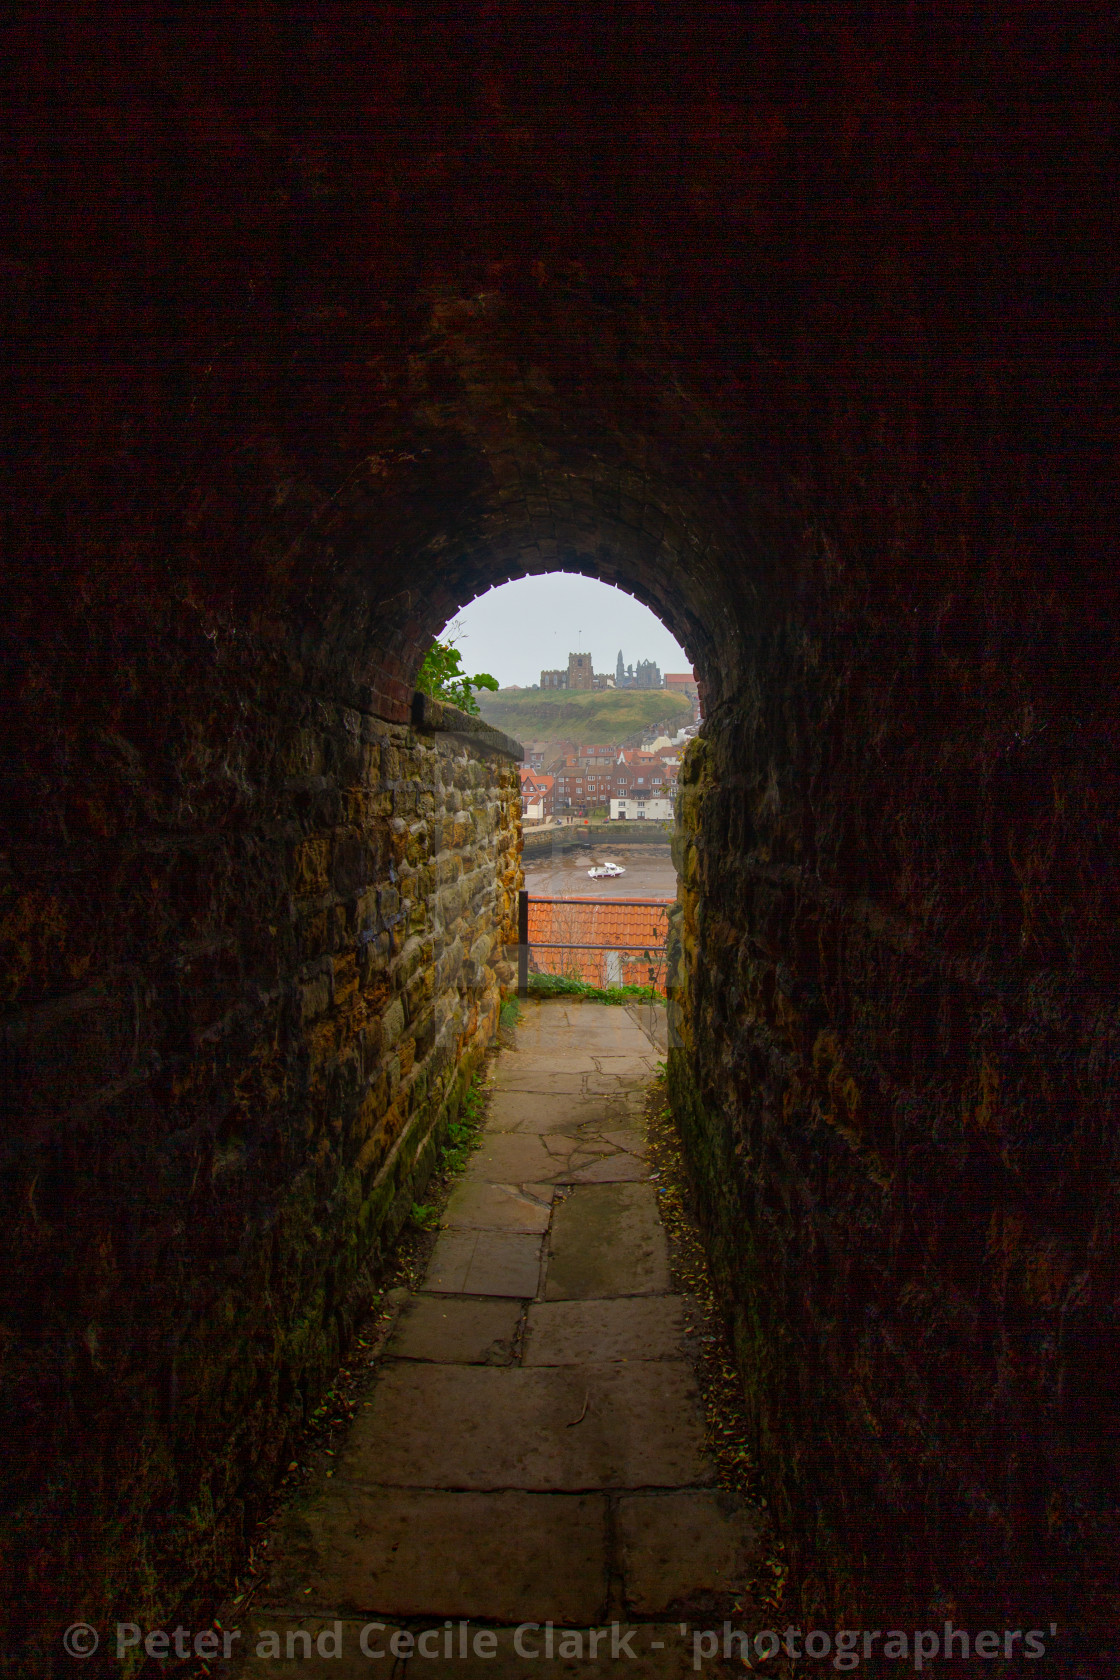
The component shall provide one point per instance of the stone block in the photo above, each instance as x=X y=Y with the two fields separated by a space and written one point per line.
x=470 y=1262
x=511 y=1158
x=686 y=1552
x=311 y=866
x=607 y=1239
x=457 y=1330
x=505 y=1556
x=609 y=1169
x=552 y=1429
x=523 y=1111
x=392 y=1024
x=604 y=1332
x=478 y=1205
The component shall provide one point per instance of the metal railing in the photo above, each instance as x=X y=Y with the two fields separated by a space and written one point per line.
x=643 y=964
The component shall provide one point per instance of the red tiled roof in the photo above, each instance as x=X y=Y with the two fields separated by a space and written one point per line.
x=600 y=940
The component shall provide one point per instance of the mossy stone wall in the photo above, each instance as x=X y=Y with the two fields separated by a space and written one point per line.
x=241 y=1018
x=894 y=1060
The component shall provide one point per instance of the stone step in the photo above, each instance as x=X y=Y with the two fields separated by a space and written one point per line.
x=546 y=1429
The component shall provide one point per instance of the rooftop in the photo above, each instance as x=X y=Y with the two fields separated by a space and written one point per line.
x=600 y=940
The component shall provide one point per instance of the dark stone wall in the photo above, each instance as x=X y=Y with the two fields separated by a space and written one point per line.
x=897 y=1065
x=242 y=1004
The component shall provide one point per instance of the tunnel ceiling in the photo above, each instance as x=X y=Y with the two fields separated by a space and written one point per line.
x=331 y=318
x=526 y=439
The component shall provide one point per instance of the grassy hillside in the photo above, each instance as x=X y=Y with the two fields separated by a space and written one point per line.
x=560 y=714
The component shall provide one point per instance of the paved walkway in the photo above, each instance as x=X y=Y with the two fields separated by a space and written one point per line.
x=533 y=1449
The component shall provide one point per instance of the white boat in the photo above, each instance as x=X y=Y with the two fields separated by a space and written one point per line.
x=606 y=871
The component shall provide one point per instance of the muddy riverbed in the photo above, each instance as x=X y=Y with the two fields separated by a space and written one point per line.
x=563 y=873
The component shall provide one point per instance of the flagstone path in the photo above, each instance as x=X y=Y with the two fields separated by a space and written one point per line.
x=533 y=1448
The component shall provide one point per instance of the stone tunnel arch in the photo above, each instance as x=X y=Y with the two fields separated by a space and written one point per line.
x=221 y=728
x=523 y=466
x=798 y=331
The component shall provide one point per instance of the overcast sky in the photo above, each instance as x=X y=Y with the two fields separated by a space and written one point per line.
x=522 y=628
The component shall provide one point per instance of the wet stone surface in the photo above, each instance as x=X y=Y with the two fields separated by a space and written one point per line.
x=532 y=1450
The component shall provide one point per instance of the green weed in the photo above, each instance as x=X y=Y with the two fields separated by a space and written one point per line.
x=562 y=985
x=464 y=1129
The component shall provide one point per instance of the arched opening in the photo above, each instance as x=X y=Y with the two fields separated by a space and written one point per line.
x=529 y=626
x=604 y=741
x=526 y=471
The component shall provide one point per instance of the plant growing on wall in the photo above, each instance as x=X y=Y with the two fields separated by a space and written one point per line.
x=443 y=677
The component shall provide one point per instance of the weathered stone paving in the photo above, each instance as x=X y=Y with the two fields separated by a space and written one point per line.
x=533 y=1448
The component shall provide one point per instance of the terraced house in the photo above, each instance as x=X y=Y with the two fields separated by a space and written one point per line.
x=583 y=784
x=537 y=793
